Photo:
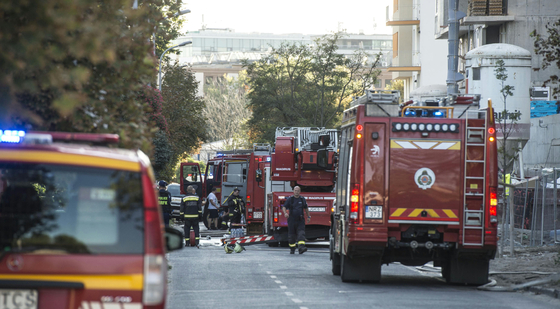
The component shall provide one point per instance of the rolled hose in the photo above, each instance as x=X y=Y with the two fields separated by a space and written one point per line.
x=491 y=286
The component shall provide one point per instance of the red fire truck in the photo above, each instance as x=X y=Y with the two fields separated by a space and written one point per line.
x=227 y=171
x=294 y=163
x=415 y=186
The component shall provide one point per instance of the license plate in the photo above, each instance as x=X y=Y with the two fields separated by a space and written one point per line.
x=317 y=209
x=257 y=214
x=374 y=212
x=18 y=299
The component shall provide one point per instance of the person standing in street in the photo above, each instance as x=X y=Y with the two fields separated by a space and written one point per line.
x=191 y=210
x=212 y=203
x=164 y=201
x=236 y=207
x=294 y=209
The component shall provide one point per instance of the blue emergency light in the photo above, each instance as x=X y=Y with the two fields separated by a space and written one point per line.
x=267 y=159
x=11 y=136
x=438 y=113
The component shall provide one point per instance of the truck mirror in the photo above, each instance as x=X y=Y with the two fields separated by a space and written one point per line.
x=258 y=175
x=323 y=158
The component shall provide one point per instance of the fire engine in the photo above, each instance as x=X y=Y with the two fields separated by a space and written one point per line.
x=295 y=163
x=227 y=171
x=415 y=186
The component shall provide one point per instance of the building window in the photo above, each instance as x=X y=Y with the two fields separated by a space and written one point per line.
x=476 y=73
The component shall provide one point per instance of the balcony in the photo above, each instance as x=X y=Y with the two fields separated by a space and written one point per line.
x=405 y=61
x=406 y=14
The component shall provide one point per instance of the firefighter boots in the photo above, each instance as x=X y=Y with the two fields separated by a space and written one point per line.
x=292 y=250
x=302 y=249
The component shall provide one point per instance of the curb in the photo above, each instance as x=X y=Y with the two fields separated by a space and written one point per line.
x=554 y=293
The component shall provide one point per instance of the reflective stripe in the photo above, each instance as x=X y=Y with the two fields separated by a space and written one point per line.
x=94 y=282
x=292 y=245
x=191 y=216
x=301 y=242
x=190 y=198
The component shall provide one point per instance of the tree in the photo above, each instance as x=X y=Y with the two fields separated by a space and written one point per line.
x=226 y=111
x=508 y=153
x=396 y=84
x=183 y=110
x=301 y=85
x=549 y=48
x=78 y=66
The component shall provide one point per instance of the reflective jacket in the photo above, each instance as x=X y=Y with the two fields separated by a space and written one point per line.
x=236 y=205
x=191 y=206
x=165 y=200
x=295 y=205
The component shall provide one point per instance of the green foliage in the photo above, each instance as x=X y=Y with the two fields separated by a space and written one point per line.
x=301 y=85
x=549 y=48
x=177 y=175
x=396 y=84
x=79 y=66
x=183 y=110
x=226 y=110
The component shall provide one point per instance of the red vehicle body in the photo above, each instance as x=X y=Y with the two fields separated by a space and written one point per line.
x=414 y=190
x=230 y=170
x=80 y=226
x=294 y=161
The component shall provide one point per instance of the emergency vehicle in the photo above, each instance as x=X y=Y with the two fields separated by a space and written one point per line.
x=295 y=163
x=230 y=170
x=80 y=225
x=415 y=186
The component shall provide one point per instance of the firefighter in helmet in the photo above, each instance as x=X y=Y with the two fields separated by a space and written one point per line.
x=293 y=208
x=191 y=210
x=236 y=207
x=164 y=201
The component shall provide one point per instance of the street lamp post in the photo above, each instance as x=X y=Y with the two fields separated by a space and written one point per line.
x=182 y=12
x=161 y=58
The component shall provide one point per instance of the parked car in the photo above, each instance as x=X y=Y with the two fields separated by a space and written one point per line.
x=176 y=197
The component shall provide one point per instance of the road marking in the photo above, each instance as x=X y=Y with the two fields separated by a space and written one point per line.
x=278 y=281
x=273 y=277
x=302 y=307
x=297 y=301
x=268 y=272
x=289 y=293
x=283 y=287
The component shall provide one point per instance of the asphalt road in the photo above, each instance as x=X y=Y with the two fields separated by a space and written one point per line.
x=263 y=277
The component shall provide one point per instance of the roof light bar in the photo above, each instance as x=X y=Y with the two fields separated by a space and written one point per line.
x=11 y=136
x=426 y=127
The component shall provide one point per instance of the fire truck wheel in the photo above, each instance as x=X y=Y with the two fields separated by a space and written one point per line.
x=363 y=268
x=468 y=271
x=335 y=259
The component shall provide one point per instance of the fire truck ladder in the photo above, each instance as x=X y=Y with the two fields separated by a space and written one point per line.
x=475 y=171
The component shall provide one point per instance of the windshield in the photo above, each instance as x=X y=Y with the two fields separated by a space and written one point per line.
x=70 y=209
x=174 y=190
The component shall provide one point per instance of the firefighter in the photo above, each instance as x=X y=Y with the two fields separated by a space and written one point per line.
x=236 y=207
x=191 y=210
x=164 y=201
x=295 y=206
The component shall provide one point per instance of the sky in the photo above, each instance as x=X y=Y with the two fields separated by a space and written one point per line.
x=288 y=16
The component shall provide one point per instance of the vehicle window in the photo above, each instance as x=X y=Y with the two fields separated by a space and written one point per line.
x=190 y=173
x=174 y=190
x=70 y=209
x=233 y=172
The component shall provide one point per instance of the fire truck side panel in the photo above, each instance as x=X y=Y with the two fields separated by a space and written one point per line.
x=375 y=161
x=283 y=159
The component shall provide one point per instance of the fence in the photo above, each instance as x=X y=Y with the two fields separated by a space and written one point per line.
x=536 y=219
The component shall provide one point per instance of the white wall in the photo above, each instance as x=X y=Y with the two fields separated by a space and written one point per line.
x=433 y=53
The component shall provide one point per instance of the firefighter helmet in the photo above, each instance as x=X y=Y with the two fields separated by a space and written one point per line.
x=229 y=248
x=238 y=248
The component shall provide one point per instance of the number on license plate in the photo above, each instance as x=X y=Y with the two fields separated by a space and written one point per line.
x=374 y=212
x=316 y=209
x=20 y=299
x=257 y=214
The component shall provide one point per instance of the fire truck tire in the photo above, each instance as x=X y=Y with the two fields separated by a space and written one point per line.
x=335 y=259
x=362 y=269
x=468 y=271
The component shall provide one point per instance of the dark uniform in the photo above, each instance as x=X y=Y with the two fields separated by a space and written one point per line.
x=236 y=207
x=296 y=222
x=191 y=210
x=165 y=203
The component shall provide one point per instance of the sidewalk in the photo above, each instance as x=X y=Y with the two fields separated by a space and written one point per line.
x=529 y=264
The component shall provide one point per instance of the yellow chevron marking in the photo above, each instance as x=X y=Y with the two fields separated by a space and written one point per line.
x=415 y=212
x=449 y=213
x=432 y=213
x=395 y=145
x=398 y=212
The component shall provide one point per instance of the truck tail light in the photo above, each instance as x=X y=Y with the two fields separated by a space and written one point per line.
x=275 y=217
x=354 y=202
x=249 y=213
x=493 y=210
x=155 y=266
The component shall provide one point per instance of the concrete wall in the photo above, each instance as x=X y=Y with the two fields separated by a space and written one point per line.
x=538 y=152
x=433 y=52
